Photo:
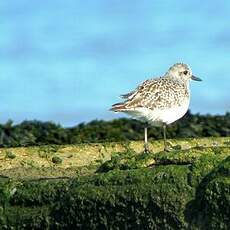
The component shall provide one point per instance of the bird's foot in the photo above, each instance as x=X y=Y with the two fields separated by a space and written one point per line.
x=168 y=146
x=166 y=149
x=146 y=148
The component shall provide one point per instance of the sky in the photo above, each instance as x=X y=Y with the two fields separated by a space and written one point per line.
x=68 y=61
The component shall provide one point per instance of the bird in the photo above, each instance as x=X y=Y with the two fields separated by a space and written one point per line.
x=159 y=101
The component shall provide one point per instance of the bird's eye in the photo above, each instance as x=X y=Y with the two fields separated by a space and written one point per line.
x=185 y=72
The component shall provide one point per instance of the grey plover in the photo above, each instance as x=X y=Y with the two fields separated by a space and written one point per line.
x=159 y=101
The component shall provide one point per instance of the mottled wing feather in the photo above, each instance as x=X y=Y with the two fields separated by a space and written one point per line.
x=142 y=95
x=131 y=94
x=127 y=95
x=157 y=93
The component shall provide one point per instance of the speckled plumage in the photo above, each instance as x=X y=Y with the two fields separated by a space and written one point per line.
x=159 y=101
x=158 y=95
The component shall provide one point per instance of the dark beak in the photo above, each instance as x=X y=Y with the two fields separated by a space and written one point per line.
x=195 y=78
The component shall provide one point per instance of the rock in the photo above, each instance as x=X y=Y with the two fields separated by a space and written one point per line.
x=182 y=189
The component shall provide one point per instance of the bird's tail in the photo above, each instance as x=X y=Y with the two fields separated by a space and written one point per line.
x=118 y=107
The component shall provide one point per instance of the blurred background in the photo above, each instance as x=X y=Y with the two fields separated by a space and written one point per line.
x=67 y=61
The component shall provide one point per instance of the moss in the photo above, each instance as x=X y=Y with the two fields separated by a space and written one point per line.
x=227 y=143
x=211 y=207
x=56 y=160
x=87 y=154
x=202 y=167
x=217 y=203
x=181 y=189
x=38 y=193
x=130 y=160
x=146 y=198
x=10 y=155
x=28 y=218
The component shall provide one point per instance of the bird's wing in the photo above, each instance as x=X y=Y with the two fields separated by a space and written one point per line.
x=154 y=94
x=143 y=94
x=127 y=95
x=131 y=94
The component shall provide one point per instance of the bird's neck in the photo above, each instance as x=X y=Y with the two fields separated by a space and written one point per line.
x=179 y=80
x=184 y=83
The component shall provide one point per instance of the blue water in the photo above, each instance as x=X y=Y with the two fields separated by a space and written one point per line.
x=67 y=61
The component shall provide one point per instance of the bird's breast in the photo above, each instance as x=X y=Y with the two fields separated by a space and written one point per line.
x=158 y=116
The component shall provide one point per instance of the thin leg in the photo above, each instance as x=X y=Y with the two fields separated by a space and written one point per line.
x=164 y=132
x=146 y=148
x=146 y=135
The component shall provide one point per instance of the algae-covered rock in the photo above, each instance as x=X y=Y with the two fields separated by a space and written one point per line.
x=211 y=207
x=195 y=155
x=181 y=189
x=141 y=199
x=167 y=196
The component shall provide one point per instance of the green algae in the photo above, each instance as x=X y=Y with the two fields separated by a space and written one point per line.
x=130 y=160
x=144 y=198
x=212 y=200
x=181 y=189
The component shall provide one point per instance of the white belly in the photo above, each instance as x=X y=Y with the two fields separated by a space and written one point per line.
x=157 y=117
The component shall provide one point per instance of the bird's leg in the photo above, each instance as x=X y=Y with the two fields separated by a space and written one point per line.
x=164 y=133
x=146 y=147
x=167 y=145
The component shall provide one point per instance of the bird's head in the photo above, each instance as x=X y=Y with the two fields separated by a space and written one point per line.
x=182 y=72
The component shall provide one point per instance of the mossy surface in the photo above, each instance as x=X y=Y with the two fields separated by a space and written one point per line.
x=211 y=206
x=192 y=156
x=37 y=162
x=181 y=189
x=145 y=198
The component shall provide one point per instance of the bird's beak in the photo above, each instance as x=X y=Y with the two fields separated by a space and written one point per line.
x=195 y=78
